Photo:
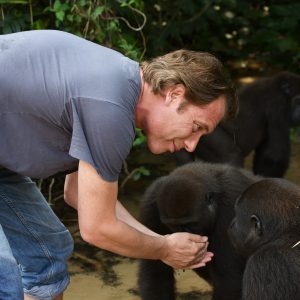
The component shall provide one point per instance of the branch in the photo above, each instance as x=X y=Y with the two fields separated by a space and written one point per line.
x=127 y=22
x=200 y=13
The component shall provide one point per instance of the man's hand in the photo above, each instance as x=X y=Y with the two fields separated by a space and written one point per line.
x=186 y=251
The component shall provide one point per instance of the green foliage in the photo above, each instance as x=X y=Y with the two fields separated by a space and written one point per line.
x=249 y=36
x=135 y=174
x=141 y=171
x=13 y=1
x=110 y=23
x=295 y=133
x=140 y=138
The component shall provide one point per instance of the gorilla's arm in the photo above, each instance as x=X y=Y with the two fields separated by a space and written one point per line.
x=155 y=279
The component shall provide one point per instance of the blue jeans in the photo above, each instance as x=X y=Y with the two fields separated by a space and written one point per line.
x=34 y=244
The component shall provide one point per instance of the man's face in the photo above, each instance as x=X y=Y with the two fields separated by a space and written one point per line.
x=179 y=125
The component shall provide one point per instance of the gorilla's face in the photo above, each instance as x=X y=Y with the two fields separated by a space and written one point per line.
x=245 y=230
x=187 y=205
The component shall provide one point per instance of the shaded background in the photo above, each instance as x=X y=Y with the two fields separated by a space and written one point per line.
x=250 y=37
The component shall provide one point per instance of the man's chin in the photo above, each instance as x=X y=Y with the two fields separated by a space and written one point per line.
x=156 y=150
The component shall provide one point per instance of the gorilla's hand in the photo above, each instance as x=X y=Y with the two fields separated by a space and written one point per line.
x=186 y=251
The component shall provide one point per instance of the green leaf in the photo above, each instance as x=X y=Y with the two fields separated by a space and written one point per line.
x=83 y=2
x=144 y=171
x=13 y=1
x=287 y=44
x=60 y=15
x=139 y=141
x=56 y=5
x=97 y=12
x=136 y=176
x=70 y=18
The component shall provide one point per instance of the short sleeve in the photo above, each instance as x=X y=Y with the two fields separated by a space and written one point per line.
x=102 y=135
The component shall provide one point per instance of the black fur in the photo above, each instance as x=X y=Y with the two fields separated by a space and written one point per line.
x=266 y=230
x=199 y=198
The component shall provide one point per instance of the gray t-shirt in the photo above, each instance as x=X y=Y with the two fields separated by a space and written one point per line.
x=64 y=99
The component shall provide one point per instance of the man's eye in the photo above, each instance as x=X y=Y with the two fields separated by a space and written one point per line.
x=196 y=127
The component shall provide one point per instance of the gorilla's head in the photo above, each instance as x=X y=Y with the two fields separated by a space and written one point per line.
x=191 y=197
x=187 y=203
x=266 y=210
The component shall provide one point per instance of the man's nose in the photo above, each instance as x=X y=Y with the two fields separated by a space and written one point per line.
x=191 y=142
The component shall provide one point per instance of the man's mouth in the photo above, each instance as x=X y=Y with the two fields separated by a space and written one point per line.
x=175 y=147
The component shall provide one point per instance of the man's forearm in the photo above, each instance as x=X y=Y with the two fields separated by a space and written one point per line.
x=179 y=250
x=125 y=239
x=124 y=216
x=71 y=198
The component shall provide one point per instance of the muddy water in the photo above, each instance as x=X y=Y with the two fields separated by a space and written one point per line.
x=99 y=275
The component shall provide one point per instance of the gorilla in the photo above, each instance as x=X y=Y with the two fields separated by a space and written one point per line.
x=266 y=230
x=199 y=198
x=268 y=108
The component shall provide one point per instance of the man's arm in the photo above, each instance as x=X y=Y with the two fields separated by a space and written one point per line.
x=71 y=198
x=106 y=224
x=71 y=189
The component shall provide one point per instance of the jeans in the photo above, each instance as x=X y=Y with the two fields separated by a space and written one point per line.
x=34 y=244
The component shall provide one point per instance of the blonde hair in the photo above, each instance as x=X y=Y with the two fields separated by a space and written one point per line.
x=201 y=73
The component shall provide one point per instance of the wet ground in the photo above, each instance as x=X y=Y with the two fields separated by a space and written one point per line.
x=100 y=275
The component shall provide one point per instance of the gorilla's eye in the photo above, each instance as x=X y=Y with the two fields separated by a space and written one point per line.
x=209 y=198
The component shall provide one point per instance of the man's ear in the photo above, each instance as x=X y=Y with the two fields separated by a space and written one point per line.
x=175 y=93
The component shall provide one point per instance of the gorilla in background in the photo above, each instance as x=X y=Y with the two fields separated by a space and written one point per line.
x=198 y=198
x=268 y=108
x=266 y=229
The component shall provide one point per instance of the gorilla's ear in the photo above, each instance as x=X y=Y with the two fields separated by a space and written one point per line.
x=256 y=225
x=209 y=198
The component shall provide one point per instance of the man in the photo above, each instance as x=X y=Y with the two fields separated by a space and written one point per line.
x=70 y=105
